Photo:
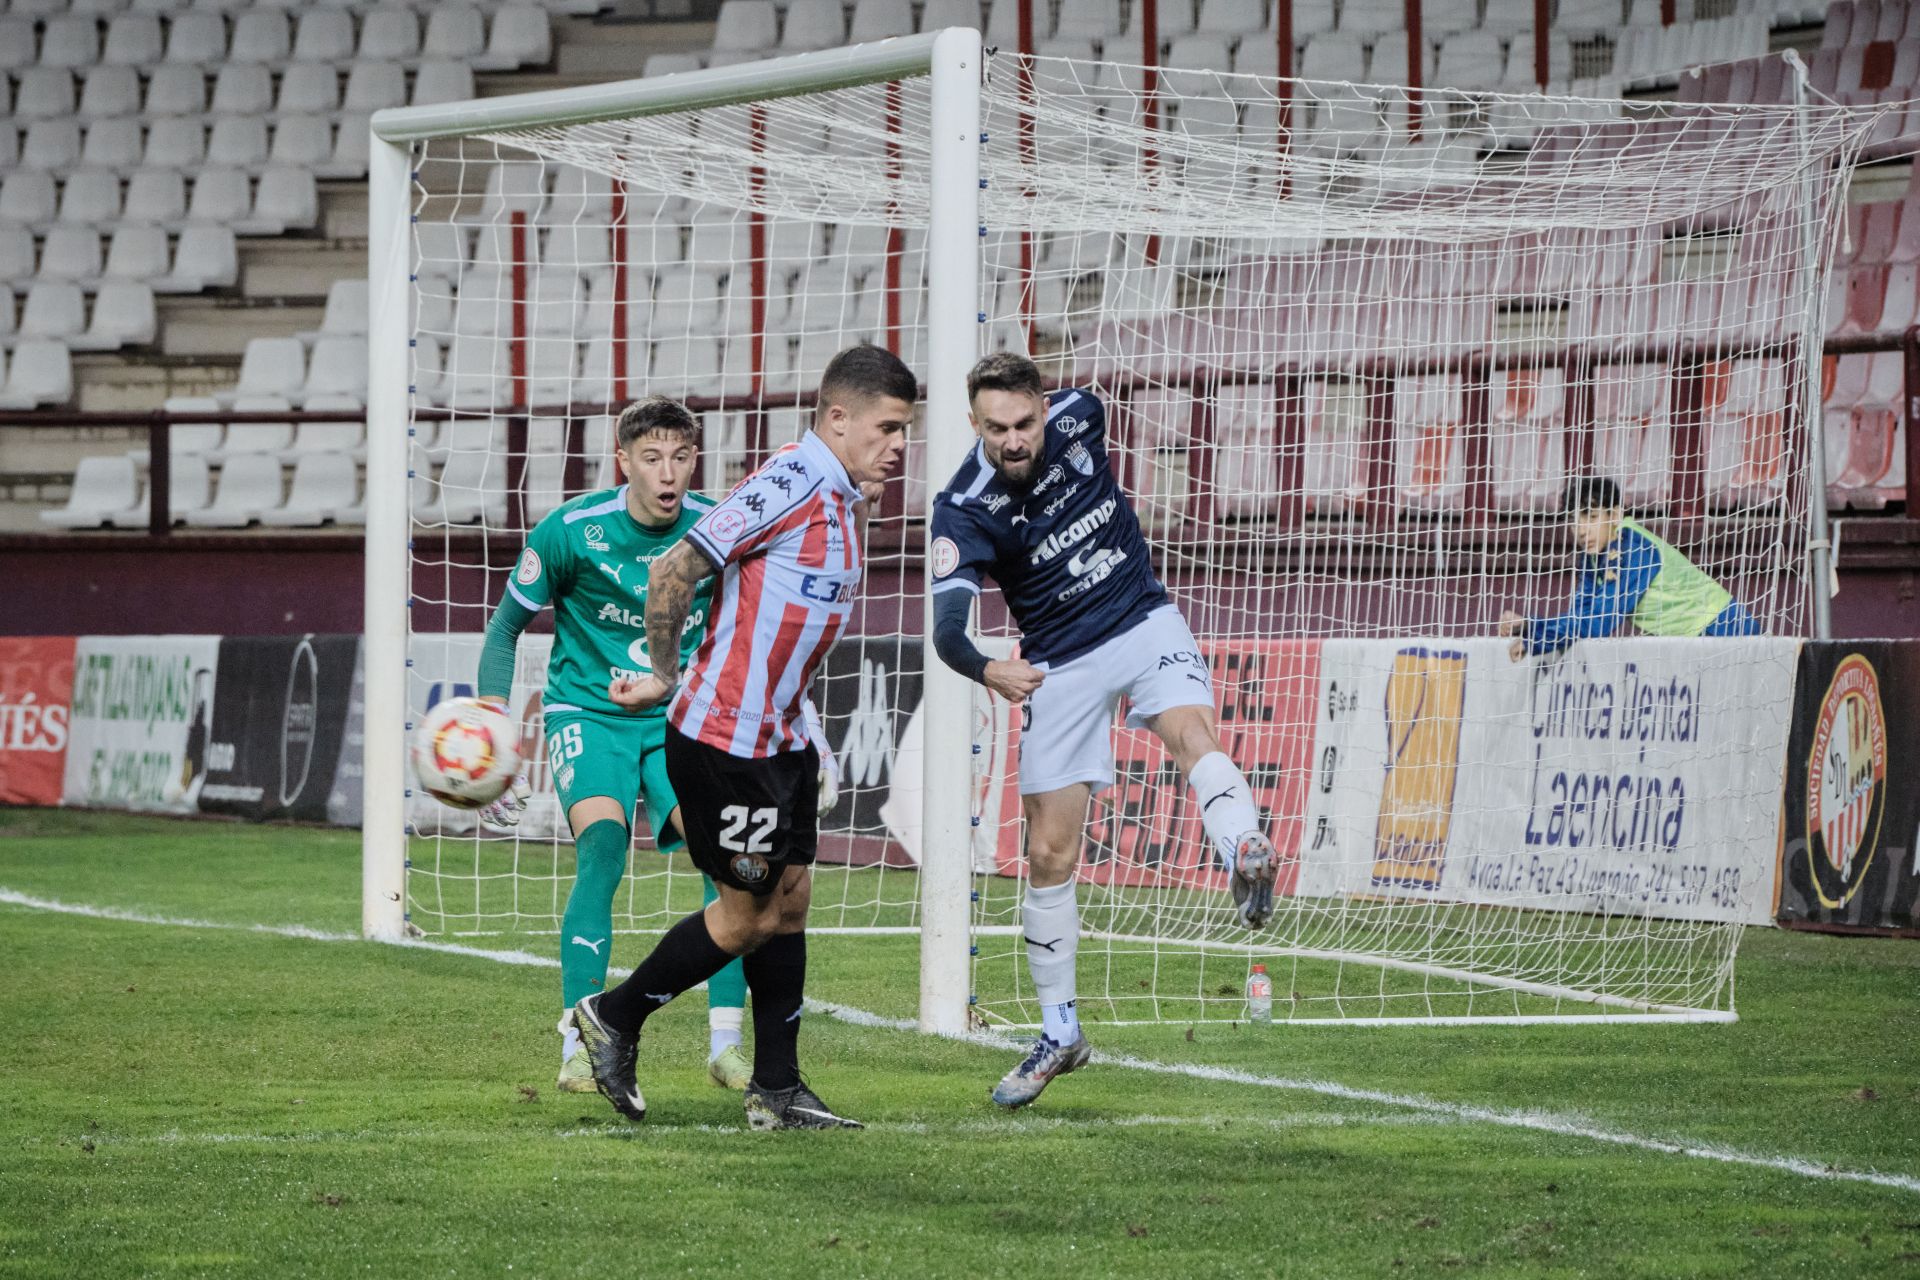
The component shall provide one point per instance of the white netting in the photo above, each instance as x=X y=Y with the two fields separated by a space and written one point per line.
x=1350 y=364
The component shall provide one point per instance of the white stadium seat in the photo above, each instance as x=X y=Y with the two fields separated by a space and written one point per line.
x=123 y=315
x=16 y=254
x=111 y=144
x=520 y=36
x=472 y=485
x=17 y=50
x=746 y=26
x=201 y=438
x=271 y=438
x=102 y=489
x=455 y=31
x=207 y=258
x=338 y=367
x=308 y=87
x=53 y=145
x=43 y=93
x=328 y=437
x=176 y=91
x=879 y=19
x=270 y=367
x=242 y=89
x=390 y=34
x=350 y=149
x=237 y=142
x=71 y=253
x=581 y=196
x=324 y=35
x=938 y=14
x=249 y=487
x=261 y=35
x=108 y=91
x=138 y=251
x=54 y=309
x=814 y=24
x=133 y=40
x=40 y=373
x=325 y=486
x=442 y=80
x=157 y=196
x=196 y=38
x=176 y=142
x=1088 y=19
x=90 y=198
x=69 y=42
x=189 y=486
x=476 y=373
x=374 y=85
x=302 y=142
x=288 y=200
x=1232 y=17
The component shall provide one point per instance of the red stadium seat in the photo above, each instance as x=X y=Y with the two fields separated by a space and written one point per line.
x=1899 y=299
x=1866 y=298
x=1866 y=465
x=1838 y=26
x=1633 y=438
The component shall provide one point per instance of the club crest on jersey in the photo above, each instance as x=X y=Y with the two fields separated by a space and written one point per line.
x=596 y=537
x=750 y=868
x=529 y=571
x=1081 y=459
x=946 y=557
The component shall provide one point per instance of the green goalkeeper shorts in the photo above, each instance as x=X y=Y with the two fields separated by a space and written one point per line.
x=620 y=757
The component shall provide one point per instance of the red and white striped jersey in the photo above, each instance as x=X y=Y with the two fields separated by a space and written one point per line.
x=790 y=560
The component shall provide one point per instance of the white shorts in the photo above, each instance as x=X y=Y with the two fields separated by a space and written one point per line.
x=1066 y=730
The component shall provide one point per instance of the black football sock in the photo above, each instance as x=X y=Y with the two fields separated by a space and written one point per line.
x=686 y=957
x=777 y=976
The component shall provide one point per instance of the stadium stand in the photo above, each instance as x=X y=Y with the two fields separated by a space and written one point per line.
x=149 y=153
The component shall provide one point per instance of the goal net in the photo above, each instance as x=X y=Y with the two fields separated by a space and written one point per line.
x=1353 y=340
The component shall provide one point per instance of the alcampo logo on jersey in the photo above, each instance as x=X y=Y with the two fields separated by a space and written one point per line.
x=1846 y=782
x=638 y=618
x=1074 y=534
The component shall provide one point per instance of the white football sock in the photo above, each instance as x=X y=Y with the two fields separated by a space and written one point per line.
x=569 y=1037
x=1226 y=804
x=1051 y=922
x=723 y=1030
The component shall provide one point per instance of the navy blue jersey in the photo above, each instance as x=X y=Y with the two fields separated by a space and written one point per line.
x=1067 y=552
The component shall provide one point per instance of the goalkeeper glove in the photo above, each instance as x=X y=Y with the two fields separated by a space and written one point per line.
x=829 y=792
x=507 y=811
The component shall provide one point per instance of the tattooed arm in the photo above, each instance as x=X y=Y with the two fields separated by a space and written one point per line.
x=671 y=583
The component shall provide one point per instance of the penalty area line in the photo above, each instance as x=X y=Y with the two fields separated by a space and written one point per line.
x=1558 y=1124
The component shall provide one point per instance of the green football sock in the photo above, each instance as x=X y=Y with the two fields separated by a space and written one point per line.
x=726 y=989
x=586 y=930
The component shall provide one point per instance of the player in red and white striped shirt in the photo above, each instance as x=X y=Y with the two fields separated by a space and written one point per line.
x=787 y=546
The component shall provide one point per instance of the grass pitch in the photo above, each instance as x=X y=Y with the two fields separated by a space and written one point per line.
x=229 y=1102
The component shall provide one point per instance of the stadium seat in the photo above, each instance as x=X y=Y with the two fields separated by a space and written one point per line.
x=108 y=92
x=325 y=486
x=237 y=142
x=39 y=374
x=667 y=64
x=175 y=91
x=196 y=38
x=249 y=487
x=272 y=438
x=219 y=196
x=207 y=258
x=308 y=88
x=175 y=142
x=520 y=35
x=879 y=19
x=287 y=200
x=43 y=93
x=390 y=34
x=552 y=363
x=1334 y=56
x=1471 y=60
x=123 y=315
x=54 y=309
x=71 y=254
x=115 y=144
x=301 y=142
x=28 y=198
x=133 y=40
x=90 y=198
x=328 y=437
x=1003 y=23
x=814 y=24
x=17 y=47
x=455 y=32
x=53 y=145
x=269 y=367
x=472 y=484
x=371 y=86
x=189 y=486
x=16 y=255
x=323 y=35
x=476 y=373
x=428 y=373
x=441 y=80
x=260 y=36
x=338 y=367
x=1231 y=17
x=242 y=89
x=102 y=488
x=1746 y=441
x=1171 y=21
x=690 y=366
x=201 y=438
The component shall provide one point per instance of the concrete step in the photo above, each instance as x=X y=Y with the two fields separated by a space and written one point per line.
x=217 y=326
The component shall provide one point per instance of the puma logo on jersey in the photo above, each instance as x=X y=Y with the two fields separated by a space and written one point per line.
x=591 y=946
x=611 y=570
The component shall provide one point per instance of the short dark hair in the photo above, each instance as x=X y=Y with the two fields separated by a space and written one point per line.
x=657 y=416
x=865 y=371
x=1589 y=493
x=1004 y=371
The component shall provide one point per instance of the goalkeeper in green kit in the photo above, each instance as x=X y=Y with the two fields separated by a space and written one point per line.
x=589 y=558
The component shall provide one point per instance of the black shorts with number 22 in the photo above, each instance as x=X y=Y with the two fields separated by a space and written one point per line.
x=745 y=819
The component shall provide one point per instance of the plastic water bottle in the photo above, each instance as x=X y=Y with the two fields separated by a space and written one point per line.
x=1259 y=995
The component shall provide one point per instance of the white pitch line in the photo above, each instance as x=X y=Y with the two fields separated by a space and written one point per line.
x=1556 y=1123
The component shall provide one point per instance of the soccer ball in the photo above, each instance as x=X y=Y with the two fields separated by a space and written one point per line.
x=465 y=752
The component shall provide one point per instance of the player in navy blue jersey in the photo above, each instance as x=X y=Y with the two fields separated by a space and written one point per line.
x=1035 y=508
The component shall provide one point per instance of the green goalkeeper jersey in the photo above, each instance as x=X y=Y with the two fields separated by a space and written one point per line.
x=589 y=558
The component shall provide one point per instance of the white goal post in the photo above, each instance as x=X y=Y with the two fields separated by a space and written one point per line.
x=951 y=60
x=1353 y=341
